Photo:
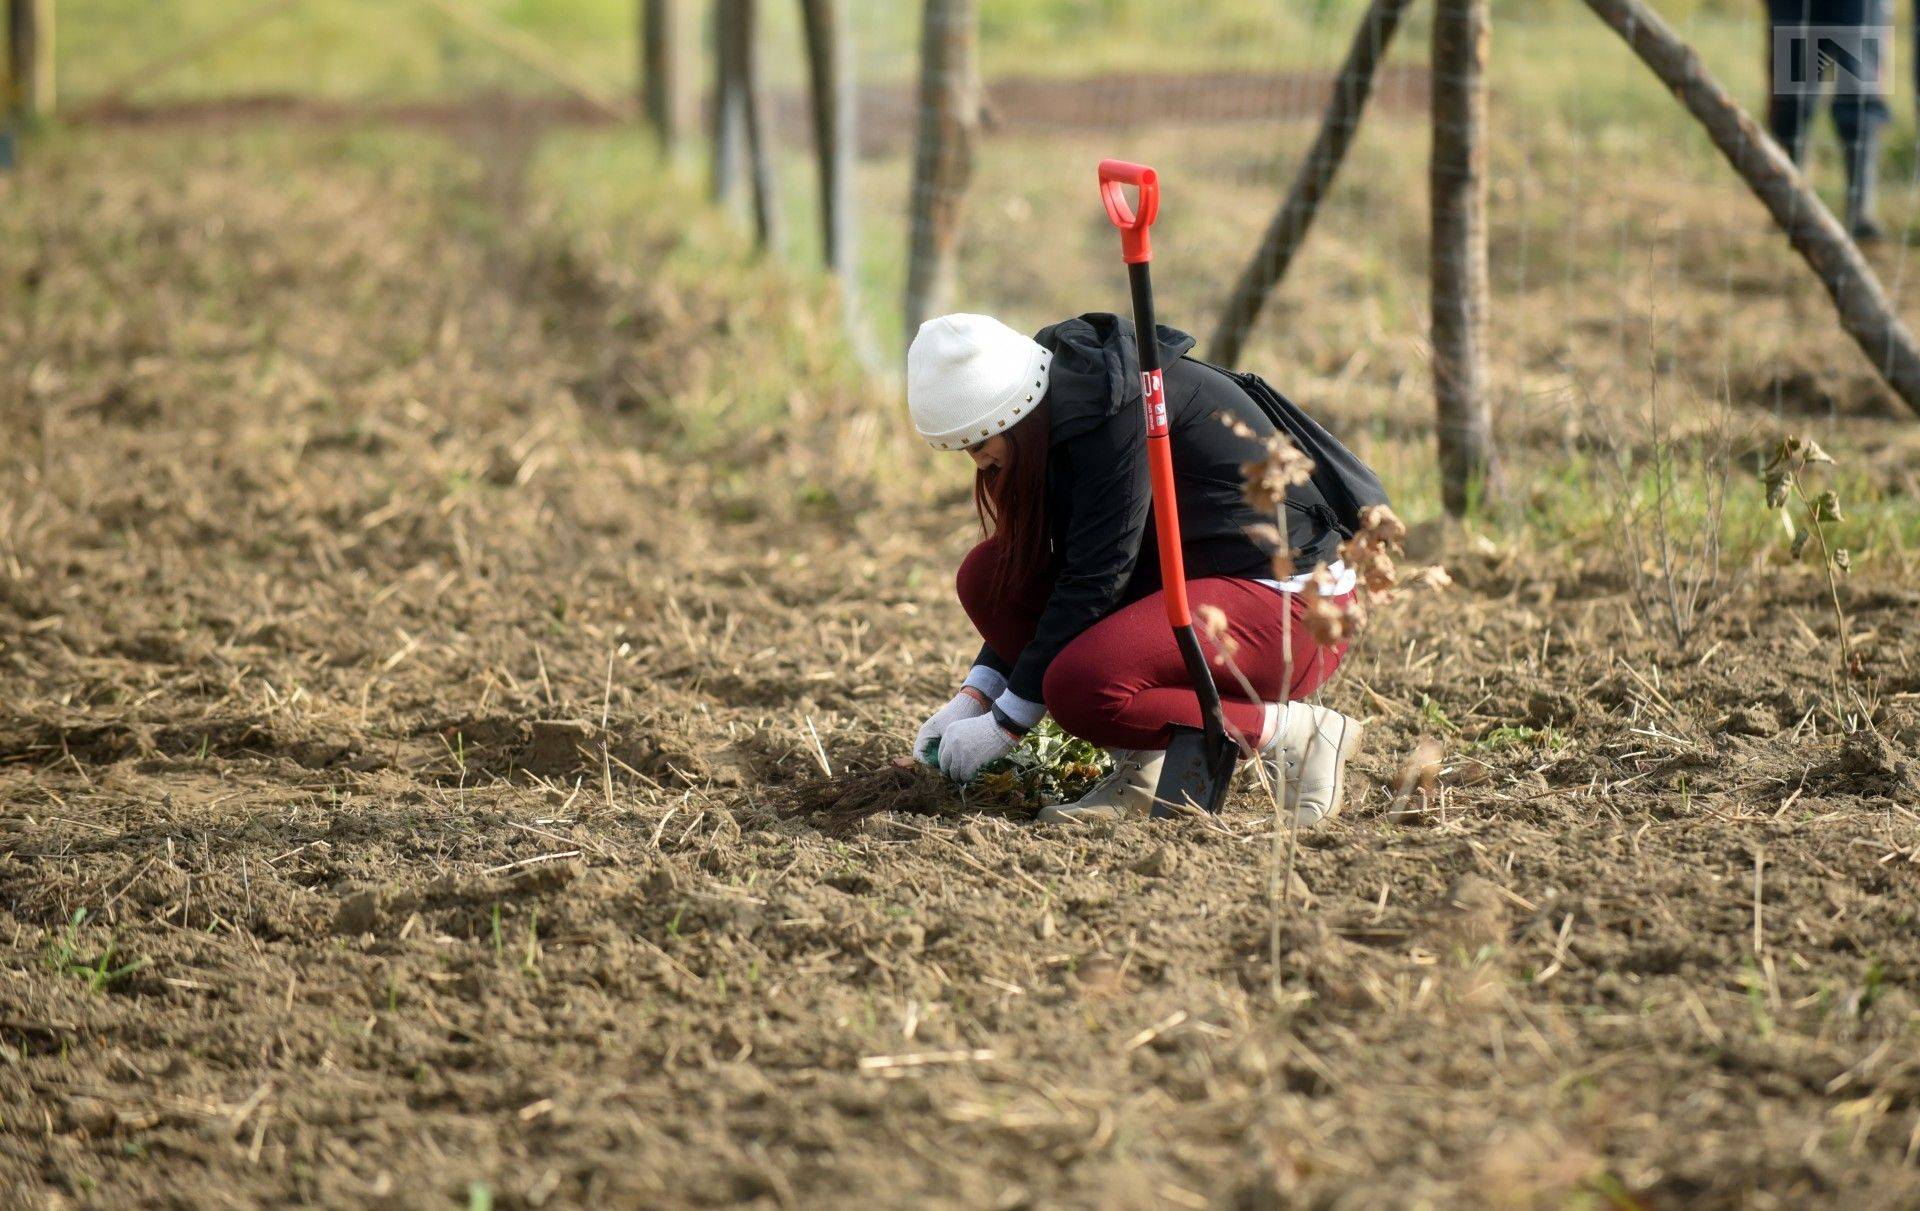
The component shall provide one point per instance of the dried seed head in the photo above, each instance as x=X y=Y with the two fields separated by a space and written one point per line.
x=1383 y=525
x=1237 y=426
x=1328 y=621
x=1779 y=483
x=1416 y=784
x=1432 y=577
x=1213 y=624
x=1331 y=617
x=1269 y=478
x=1268 y=537
x=1371 y=549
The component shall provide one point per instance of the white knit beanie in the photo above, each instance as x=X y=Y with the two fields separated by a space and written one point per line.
x=970 y=377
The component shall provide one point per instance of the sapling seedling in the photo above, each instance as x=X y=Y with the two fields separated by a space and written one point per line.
x=1785 y=478
x=1048 y=766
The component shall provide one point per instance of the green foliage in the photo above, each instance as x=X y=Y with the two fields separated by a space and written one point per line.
x=1436 y=717
x=1049 y=766
x=1549 y=738
x=99 y=973
x=1785 y=478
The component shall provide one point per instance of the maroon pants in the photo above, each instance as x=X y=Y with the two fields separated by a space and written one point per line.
x=1121 y=682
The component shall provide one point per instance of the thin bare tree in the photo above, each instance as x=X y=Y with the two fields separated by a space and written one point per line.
x=949 y=118
x=1458 y=198
x=1287 y=230
x=660 y=85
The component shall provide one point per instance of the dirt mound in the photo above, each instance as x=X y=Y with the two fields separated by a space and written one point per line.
x=838 y=804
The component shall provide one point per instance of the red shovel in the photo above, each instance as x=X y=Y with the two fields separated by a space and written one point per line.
x=1199 y=762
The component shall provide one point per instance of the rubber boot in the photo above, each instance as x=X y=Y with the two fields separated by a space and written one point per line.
x=1126 y=792
x=1863 y=181
x=1307 y=759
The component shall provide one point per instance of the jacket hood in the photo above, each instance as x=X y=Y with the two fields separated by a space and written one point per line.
x=1096 y=368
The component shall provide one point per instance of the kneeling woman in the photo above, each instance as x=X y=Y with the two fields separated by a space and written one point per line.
x=1066 y=589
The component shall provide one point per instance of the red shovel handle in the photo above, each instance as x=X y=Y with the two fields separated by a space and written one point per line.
x=1135 y=249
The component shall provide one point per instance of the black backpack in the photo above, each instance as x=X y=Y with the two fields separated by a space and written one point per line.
x=1347 y=484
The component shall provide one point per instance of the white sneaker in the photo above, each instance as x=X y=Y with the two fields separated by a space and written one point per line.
x=1127 y=791
x=1307 y=759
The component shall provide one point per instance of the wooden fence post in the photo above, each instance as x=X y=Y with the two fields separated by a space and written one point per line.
x=1288 y=228
x=660 y=87
x=831 y=92
x=739 y=122
x=30 y=57
x=766 y=187
x=1458 y=198
x=949 y=115
x=728 y=116
x=1865 y=312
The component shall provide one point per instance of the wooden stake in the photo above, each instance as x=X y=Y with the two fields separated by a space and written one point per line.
x=1458 y=198
x=30 y=57
x=729 y=116
x=832 y=96
x=660 y=89
x=1865 y=312
x=766 y=196
x=1288 y=228
x=949 y=116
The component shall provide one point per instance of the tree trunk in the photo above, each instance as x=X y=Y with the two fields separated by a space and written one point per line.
x=30 y=57
x=1814 y=233
x=949 y=116
x=1288 y=228
x=660 y=69
x=729 y=114
x=832 y=99
x=1458 y=197
x=766 y=185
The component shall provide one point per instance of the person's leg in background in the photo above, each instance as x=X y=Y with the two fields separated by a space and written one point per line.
x=1789 y=112
x=1859 y=115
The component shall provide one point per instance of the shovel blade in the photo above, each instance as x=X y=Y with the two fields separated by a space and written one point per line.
x=1196 y=774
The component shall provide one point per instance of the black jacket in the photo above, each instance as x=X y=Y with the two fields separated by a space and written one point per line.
x=1099 y=503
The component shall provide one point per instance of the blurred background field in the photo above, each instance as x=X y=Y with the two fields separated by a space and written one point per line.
x=1624 y=253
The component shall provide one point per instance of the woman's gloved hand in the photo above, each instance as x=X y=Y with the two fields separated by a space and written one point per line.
x=972 y=743
x=967 y=704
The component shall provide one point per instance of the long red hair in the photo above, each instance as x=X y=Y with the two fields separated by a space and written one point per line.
x=1012 y=503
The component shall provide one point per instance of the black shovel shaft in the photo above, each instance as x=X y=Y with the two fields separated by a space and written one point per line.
x=1172 y=559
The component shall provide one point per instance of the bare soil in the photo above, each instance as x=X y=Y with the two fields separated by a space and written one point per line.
x=439 y=756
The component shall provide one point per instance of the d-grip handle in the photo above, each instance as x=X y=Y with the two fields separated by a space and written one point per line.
x=1115 y=175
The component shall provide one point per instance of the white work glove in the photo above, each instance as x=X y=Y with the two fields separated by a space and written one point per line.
x=967 y=704
x=972 y=743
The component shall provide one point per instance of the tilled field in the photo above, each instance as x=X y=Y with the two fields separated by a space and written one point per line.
x=414 y=767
